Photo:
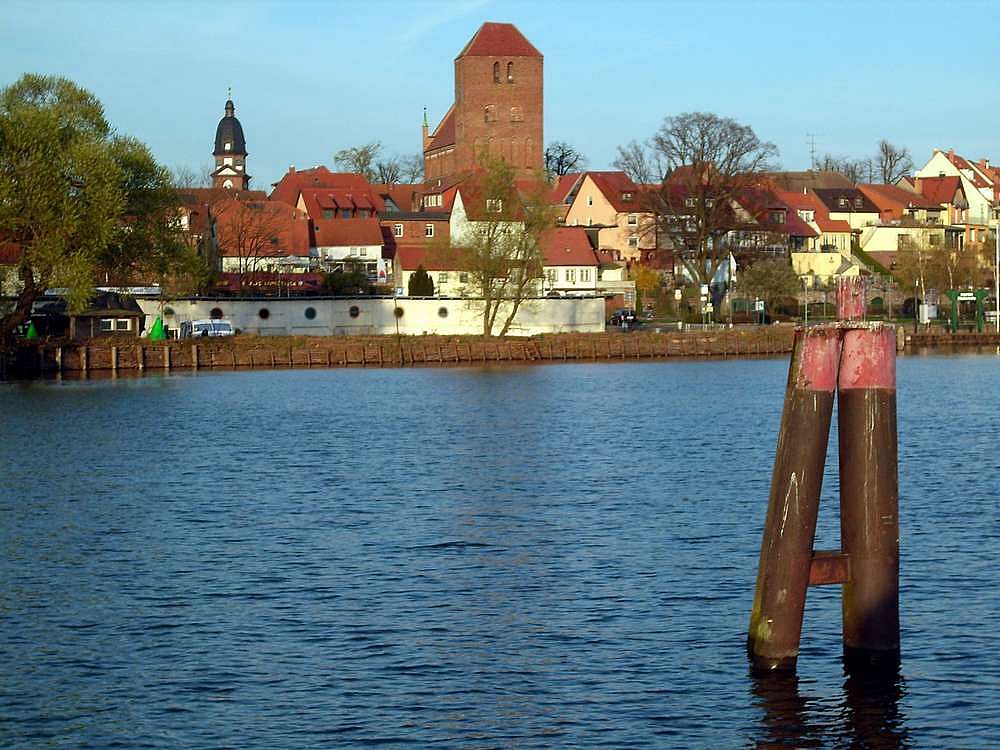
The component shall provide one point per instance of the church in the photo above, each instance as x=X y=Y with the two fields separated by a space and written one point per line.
x=497 y=110
x=230 y=153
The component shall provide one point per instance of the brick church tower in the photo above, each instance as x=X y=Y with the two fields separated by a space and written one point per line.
x=497 y=109
x=230 y=153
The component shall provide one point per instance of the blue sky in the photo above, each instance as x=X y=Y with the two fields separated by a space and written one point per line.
x=311 y=78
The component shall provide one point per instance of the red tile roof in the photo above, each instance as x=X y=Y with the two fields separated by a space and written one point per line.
x=940 y=189
x=10 y=254
x=807 y=201
x=347 y=232
x=568 y=246
x=410 y=257
x=499 y=40
x=963 y=164
x=892 y=201
x=287 y=189
x=261 y=229
x=614 y=186
x=406 y=197
x=444 y=133
x=564 y=187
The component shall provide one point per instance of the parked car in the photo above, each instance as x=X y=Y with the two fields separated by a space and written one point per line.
x=622 y=317
x=191 y=328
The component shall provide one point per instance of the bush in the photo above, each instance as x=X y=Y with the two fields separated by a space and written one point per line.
x=420 y=284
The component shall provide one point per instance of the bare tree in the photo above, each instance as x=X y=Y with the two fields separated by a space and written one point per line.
x=360 y=159
x=387 y=171
x=856 y=170
x=185 y=178
x=893 y=162
x=561 y=158
x=711 y=161
x=501 y=248
x=641 y=163
x=412 y=168
x=253 y=233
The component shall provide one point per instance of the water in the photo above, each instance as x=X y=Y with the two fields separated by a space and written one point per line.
x=514 y=557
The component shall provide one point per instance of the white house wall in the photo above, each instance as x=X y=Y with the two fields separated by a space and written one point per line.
x=332 y=317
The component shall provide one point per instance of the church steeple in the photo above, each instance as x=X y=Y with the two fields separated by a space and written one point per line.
x=230 y=152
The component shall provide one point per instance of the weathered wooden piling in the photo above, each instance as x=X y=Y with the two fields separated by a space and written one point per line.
x=869 y=495
x=793 y=505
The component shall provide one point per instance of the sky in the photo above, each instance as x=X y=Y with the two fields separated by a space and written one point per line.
x=311 y=78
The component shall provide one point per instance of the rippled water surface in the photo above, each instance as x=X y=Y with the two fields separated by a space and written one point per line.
x=516 y=557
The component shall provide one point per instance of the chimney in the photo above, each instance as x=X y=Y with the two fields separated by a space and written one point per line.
x=291 y=169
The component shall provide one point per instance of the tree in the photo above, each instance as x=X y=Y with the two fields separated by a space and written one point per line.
x=856 y=170
x=711 y=161
x=561 y=158
x=641 y=163
x=360 y=159
x=500 y=247
x=253 y=233
x=388 y=171
x=893 y=162
x=771 y=279
x=352 y=280
x=74 y=197
x=412 y=168
x=185 y=178
x=420 y=283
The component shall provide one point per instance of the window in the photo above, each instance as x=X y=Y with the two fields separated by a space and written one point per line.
x=363 y=251
x=777 y=217
x=397 y=230
x=215 y=313
x=310 y=313
x=590 y=200
x=584 y=274
x=551 y=275
x=327 y=213
x=442 y=312
x=510 y=72
x=571 y=275
x=228 y=146
x=263 y=313
x=107 y=324
x=463 y=277
x=228 y=161
x=496 y=72
x=626 y=197
x=428 y=230
x=494 y=205
x=363 y=213
x=857 y=202
x=228 y=184
x=123 y=324
x=842 y=202
x=431 y=201
x=345 y=213
x=355 y=311
x=633 y=241
x=516 y=114
x=689 y=202
x=633 y=220
x=490 y=113
x=443 y=277
x=709 y=202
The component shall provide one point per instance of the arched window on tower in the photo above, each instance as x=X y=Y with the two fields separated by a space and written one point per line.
x=510 y=72
x=496 y=72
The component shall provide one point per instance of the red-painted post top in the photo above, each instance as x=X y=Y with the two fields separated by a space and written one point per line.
x=869 y=358
x=851 y=303
x=819 y=359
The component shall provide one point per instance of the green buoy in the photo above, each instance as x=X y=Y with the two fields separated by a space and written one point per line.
x=156 y=333
x=32 y=334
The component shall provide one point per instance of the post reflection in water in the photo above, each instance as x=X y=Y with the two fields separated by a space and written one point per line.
x=867 y=712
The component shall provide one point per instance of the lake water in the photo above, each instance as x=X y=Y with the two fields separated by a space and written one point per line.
x=513 y=557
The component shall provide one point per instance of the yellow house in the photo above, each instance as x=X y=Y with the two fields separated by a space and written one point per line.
x=611 y=202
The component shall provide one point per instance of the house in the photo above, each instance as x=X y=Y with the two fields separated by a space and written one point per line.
x=613 y=204
x=108 y=315
x=908 y=220
x=570 y=265
x=896 y=204
x=827 y=256
x=263 y=236
x=956 y=197
x=766 y=225
x=850 y=205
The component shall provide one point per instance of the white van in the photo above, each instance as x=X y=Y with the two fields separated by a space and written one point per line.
x=190 y=328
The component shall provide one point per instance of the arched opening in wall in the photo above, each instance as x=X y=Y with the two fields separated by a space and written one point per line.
x=510 y=72
x=228 y=184
x=496 y=72
x=168 y=312
x=442 y=312
x=310 y=313
x=355 y=311
x=215 y=313
x=263 y=313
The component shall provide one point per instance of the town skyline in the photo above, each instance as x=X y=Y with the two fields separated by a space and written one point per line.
x=166 y=76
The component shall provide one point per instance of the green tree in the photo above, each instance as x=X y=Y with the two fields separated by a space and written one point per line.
x=74 y=197
x=770 y=280
x=420 y=284
x=500 y=244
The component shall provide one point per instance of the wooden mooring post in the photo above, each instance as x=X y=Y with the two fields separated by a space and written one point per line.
x=858 y=361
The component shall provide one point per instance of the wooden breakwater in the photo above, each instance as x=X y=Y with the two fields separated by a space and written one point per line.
x=944 y=340
x=253 y=352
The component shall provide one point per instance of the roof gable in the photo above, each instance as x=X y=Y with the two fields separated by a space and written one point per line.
x=444 y=133
x=498 y=40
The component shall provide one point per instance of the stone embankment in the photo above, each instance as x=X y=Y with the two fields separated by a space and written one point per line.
x=253 y=352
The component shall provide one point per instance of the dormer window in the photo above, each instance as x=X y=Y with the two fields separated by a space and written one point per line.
x=494 y=205
x=510 y=72
x=857 y=203
x=689 y=202
x=842 y=202
x=626 y=197
x=496 y=72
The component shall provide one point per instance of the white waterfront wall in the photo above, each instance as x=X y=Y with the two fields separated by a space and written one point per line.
x=374 y=315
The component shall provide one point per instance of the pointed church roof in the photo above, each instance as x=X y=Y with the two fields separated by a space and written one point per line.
x=229 y=131
x=444 y=133
x=499 y=40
